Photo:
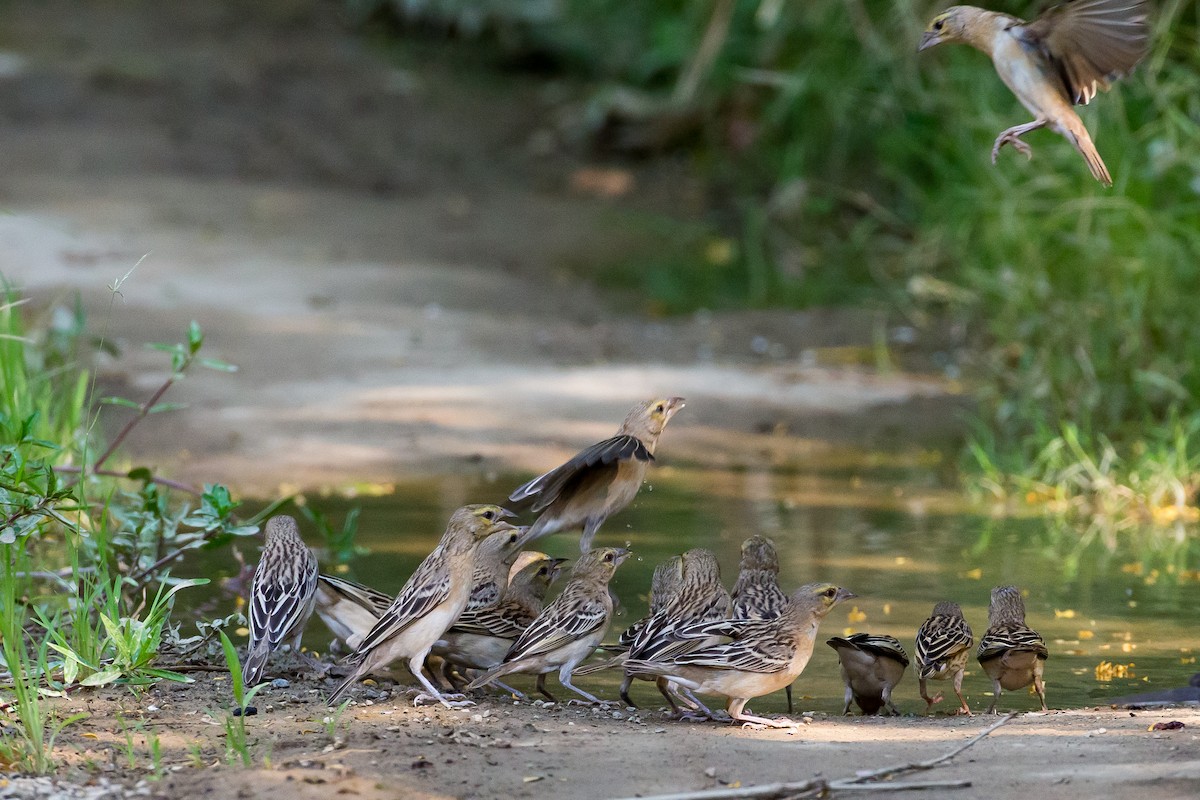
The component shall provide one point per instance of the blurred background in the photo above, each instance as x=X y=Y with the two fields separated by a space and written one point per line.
x=448 y=243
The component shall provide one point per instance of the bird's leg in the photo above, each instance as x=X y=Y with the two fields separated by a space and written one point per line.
x=848 y=698
x=505 y=687
x=996 y=690
x=542 y=690
x=887 y=701
x=1039 y=686
x=930 y=702
x=963 y=707
x=625 y=684
x=416 y=666
x=665 y=689
x=590 y=526
x=698 y=712
x=1013 y=136
x=738 y=714
x=564 y=677
x=791 y=707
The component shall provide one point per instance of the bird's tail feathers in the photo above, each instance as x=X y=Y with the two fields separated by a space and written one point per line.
x=256 y=662
x=600 y=666
x=342 y=688
x=1082 y=140
x=498 y=671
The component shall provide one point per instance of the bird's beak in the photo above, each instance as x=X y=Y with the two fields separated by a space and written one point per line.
x=506 y=514
x=674 y=404
x=843 y=594
x=558 y=562
x=622 y=554
x=928 y=40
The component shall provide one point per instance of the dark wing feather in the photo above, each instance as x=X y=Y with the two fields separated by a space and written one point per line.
x=371 y=599
x=428 y=588
x=1001 y=639
x=1091 y=42
x=545 y=489
x=568 y=618
x=940 y=637
x=887 y=646
x=504 y=621
x=764 y=654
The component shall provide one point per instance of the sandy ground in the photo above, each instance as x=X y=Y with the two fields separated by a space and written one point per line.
x=385 y=251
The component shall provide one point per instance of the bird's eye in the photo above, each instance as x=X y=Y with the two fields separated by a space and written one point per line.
x=660 y=408
x=830 y=592
x=937 y=26
x=513 y=539
x=608 y=556
x=489 y=515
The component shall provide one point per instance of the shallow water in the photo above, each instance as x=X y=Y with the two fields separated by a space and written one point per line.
x=887 y=531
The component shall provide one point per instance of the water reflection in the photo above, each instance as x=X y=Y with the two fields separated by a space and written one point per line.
x=892 y=535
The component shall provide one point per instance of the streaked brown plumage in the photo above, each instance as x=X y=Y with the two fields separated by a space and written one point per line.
x=701 y=599
x=1058 y=60
x=943 y=646
x=281 y=595
x=871 y=666
x=599 y=481
x=493 y=560
x=569 y=629
x=434 y=596
x=349 y=609
x=479 y=638
x=1011 y=653
x=756 y=594
x=761 y=656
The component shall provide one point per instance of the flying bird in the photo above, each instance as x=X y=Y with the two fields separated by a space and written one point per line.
x=1059 y=60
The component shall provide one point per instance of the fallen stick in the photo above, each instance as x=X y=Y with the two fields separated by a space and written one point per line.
x=856 y=783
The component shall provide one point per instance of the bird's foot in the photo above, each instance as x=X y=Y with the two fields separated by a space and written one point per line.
x=1013 y=139
x=448 y=700
x=964 y=711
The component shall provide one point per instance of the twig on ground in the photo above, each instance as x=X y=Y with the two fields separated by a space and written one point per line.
x=780 y=791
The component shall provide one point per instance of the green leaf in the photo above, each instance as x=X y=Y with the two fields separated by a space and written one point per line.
x=195 y=337
x=235 y=668
x=168 y=675
x=213 y=363
x=103 y=677
x=120 y=401
x=161 y=407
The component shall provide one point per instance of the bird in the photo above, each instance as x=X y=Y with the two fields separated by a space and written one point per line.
x=282 y=595
x=700 y=599
x=493 y=561
x=1011 y=653
x=430 y=602
x=1060 y=59
x=567 y=630
x=479 y=639
x=756 y=593
x=349 y=609
x=761 y=656
x=871 y=667
x=943 y=645
x=600 y=480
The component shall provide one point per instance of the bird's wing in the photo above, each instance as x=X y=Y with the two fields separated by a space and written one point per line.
x=758 y=598
x=1091 y=42
x=504 y=621
x=1002 y=638
x=567 y=619
x=428 y=588
x=545 y=489
x=940 y=637
x=280 y=604
x=372 y=600
x=888 y=646
x=630 y=634
x=752 y=654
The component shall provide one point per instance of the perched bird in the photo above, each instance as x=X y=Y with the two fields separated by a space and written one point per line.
x=479 y=639
x=1058 y=60
x=599 y=481
x=281 y=595
x=943 y=646
x=762 y=656
x=567 y=630
x=756 y=594
x=701 y=599
x=1011 y=654
x=430 y=601
x=871 y=668
x=349 y=609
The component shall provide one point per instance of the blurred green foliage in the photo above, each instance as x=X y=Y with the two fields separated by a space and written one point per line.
x=845 y=167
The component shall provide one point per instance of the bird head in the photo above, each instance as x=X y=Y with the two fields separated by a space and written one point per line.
x=1006 y=606
x=651 y=417
x=947 y=26
x=481 y=521
x=537 y=573
x=664 y=585
x=701 y=568
x=281 y=527
x=819 y=598
x=758 y=552
x=601 y=561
